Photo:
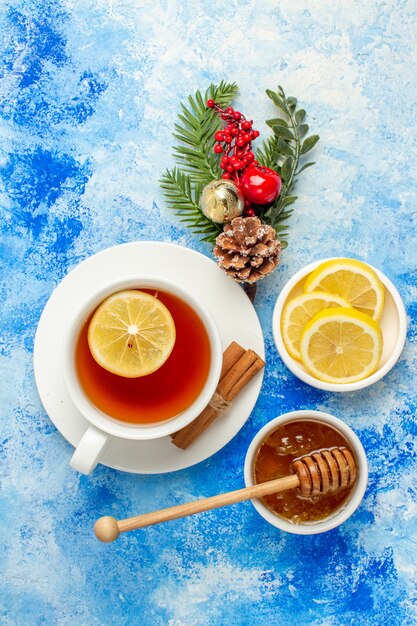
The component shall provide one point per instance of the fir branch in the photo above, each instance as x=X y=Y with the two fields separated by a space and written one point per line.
x=184 y=200
x=282 y=152
x=269 y=153
x=195 y=129
x=197 y=163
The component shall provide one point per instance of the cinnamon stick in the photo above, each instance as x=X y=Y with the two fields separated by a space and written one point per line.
x=246 y=378
x=184 y=437
x=187 y=435
x=235 y=373
x=230 y=356
x=239 y=367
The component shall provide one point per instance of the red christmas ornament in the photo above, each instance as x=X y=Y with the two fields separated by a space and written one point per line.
x=259 y=184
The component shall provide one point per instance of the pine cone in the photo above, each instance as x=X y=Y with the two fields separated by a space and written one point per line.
x=247 y=250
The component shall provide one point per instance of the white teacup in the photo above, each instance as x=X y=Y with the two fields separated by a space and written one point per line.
x=102 y=426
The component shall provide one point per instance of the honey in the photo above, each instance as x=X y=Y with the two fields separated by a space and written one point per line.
x=160 y=395
x=274 y=458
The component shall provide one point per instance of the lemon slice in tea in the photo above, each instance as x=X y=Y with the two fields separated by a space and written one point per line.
x=341 y=345
x=298 y=311
x=131 y=334
x=353 y=280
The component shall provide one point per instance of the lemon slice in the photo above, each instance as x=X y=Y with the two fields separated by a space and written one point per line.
x=341 y=345
x=131 y=334
x=298 y=311
x=353 y=280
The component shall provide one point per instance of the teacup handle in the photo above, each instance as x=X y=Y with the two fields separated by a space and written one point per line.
x=88 y=452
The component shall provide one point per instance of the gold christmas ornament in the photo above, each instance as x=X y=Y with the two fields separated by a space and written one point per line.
x=221 y=201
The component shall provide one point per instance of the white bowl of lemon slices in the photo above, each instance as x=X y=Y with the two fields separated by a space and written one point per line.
x=339 y=324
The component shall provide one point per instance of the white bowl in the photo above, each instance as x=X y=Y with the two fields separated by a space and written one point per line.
x=393 y=325
x=345 y=511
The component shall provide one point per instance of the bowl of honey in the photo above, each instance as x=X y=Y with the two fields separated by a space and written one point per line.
x=282 y=442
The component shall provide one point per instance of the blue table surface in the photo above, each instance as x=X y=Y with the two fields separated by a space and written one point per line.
x=89 y=96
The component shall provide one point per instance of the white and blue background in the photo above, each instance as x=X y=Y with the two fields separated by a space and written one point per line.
x=89 y=94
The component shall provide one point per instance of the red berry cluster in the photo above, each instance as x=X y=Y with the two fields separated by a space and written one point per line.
x=235 y=141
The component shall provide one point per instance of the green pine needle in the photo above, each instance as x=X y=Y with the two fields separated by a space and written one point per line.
x=195 y=130
x=269 y=153
x=197 y=164
x=184 y=199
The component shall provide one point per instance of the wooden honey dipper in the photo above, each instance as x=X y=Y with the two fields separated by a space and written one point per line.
x=318 y=473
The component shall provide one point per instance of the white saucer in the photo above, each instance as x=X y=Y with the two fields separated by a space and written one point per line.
x=233 y=313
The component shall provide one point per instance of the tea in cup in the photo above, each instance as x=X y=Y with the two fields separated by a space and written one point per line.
x=148 y=406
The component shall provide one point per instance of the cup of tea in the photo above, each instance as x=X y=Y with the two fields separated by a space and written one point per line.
x=144 y=407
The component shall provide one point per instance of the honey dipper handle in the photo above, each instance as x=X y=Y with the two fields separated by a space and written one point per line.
x=107 y=529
